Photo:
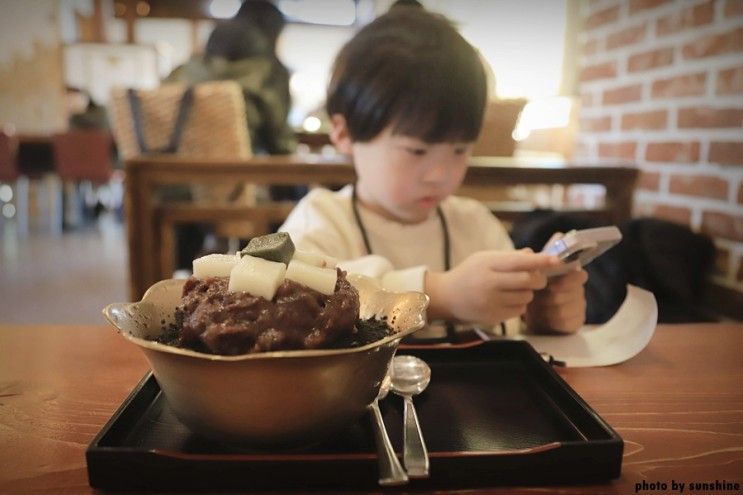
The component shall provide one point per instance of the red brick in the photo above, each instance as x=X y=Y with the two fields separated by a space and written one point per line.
x=705 y=186
x=583 y=149
x=653 y=120
x=604 y=70
x=697 y=15
x=739 y=275
x=586 y=99
x=730 y=81
x=726 y=152
x=597 y=124
x=650 y=60
x=638 y=5
x=688 y=85
x=649 y=181
x=601 y=17
x=710 y=117
x=624 y=150
x=622 y=94
x=591 y=47
x=676 y=214
x=725 y=225
x=733 y=8
x=674 y=152
x=717 y=44
x=626 y=37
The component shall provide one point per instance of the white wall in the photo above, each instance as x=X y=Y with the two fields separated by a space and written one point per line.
x=31 y=84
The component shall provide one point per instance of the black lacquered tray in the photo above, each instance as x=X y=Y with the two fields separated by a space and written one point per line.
x=494 y=414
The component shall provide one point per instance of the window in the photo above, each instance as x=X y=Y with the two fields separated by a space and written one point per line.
x=327 y=12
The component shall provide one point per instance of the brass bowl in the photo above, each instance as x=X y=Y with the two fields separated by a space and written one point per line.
x=269 y=399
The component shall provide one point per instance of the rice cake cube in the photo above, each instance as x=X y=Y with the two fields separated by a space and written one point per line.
x=322 y=280
x=257 y=276
x=214 y=265
x=315 y=259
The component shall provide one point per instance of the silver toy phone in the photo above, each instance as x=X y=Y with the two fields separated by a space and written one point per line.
x=581 y=246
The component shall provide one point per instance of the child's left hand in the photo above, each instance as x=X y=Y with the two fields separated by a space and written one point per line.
x=559 y=307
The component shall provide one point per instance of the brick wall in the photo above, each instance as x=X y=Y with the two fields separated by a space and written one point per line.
x=661 y=85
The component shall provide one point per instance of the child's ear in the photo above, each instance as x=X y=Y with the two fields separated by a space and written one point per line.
x=339 y=134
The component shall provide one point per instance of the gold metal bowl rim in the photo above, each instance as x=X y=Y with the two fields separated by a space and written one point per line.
x=110 y=309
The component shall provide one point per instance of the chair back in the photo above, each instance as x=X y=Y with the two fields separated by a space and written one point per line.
x=84 y=155
x=215 y=127
x=497 y=128
x=8 y=163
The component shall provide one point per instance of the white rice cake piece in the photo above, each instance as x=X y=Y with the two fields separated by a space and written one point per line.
x=315 y=259
x=321 y=279
x=214 y=265
x=257 y=276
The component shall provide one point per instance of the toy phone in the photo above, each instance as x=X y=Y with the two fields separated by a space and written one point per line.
x=582 y=246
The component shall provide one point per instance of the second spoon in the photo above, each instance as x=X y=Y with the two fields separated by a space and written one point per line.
x=410 y=376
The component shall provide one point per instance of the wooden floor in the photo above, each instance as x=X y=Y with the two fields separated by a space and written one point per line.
x=64 y=278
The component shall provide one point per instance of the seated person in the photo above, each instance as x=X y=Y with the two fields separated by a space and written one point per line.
x=243 y=49
x=83 y=112
x=406 y=101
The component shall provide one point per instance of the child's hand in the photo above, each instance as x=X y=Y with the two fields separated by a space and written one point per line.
x=489 y=286
x=561 y=306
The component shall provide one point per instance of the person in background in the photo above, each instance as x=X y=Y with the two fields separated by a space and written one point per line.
x=243 y=49
x=83 y=112
x=406 y=3
x=406 y=100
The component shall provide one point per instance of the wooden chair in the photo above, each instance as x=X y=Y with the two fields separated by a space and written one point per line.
x=83 y=160
x=214 y=129
x=11 y=176
x=497 y=128
x=84 y=155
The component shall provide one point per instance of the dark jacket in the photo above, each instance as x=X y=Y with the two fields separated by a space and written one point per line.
x=665 y=258
x=250 y=62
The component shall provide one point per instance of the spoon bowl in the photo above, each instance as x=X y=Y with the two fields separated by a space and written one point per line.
x=410 y=375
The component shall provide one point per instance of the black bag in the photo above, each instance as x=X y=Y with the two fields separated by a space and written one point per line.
x=665 y=258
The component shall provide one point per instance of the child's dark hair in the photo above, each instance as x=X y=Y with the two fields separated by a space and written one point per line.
x=412 y=69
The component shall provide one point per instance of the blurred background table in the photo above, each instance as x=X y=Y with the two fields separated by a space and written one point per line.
x=678 y=405
x=150 y=223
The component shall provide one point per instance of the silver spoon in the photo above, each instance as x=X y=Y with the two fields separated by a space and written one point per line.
x=410 y=376
x=390 y=471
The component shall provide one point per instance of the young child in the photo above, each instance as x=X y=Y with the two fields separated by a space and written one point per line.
x=406 y=101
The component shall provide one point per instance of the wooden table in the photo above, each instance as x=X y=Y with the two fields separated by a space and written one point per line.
x=678 y=405
x=144 y=175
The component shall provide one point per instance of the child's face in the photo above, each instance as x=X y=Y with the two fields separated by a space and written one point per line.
x=404 y=178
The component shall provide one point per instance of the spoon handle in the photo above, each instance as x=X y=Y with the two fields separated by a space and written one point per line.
x=415 y=453
x=390 y=471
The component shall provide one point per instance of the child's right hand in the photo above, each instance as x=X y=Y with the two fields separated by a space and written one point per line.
x=489 y=286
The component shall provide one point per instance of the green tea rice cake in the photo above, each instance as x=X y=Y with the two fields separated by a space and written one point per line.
x=272 y=247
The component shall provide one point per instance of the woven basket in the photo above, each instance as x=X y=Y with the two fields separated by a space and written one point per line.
x=216 y=129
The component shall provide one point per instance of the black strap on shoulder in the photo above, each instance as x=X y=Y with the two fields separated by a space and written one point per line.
x=136 y=109
x=184 y=109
